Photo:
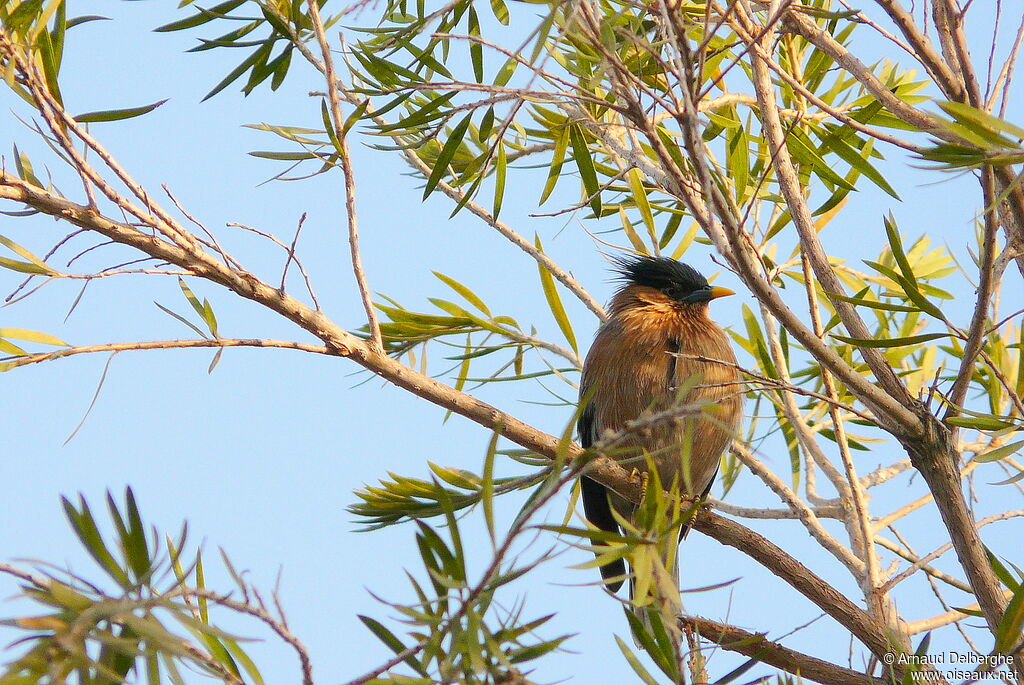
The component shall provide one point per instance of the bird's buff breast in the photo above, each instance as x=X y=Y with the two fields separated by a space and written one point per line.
x=685 y=411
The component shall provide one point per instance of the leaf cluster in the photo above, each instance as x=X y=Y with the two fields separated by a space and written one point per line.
x=91 y=635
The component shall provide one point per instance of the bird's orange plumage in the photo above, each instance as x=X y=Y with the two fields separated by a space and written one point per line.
x=640 y=358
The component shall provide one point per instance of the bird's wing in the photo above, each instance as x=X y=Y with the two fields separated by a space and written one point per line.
x=595 y=500
x=585 y=427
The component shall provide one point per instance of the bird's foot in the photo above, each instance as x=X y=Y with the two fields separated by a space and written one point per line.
x=643 y=477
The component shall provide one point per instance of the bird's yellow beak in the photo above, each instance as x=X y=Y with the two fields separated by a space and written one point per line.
x=718 y=291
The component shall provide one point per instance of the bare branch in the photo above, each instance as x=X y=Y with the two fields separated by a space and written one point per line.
x=986 y=288
x=14 y=362
x=757 y=646
x=350 y=183
x=811 y=246
x=804 y=513
x=260 y=613
x=923 y=50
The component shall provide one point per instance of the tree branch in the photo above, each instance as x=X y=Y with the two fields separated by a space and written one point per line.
x=924 y=52
x=14 y=362
x=811 y=246
x=757 y=646
x=340 y=141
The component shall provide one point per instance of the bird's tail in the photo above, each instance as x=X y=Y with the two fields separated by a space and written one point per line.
x=652 y=618
x=657 y=604
x=654 y=579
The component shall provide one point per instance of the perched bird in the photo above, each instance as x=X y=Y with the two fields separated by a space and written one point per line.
x=636 y=364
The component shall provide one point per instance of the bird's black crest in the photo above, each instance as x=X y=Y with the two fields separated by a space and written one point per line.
x=661 y=273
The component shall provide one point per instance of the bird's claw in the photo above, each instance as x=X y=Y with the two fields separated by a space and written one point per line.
x=643 y=477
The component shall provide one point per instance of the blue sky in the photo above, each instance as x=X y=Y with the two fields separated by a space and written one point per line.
x=261 y=457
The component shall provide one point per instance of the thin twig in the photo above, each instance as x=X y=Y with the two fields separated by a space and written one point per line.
x=291 y=251
x=350 y=182
x=294 y=257
x=804 y=513
x=260 y=613
x=11 y=362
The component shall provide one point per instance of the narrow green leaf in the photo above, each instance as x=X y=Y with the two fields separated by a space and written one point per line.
x=970 y=612
x=24 y=267
x=204 y=310
x=51 y=62
x=983 y=423
x=451 y=146
x=204 y=15
x=136 y=546
x=557 y=159
x=117 y=114
x=554 y=301
x=244 y=65
x=585 y=163
x=634 y=663
x=231 y=39
x=85 y=19
x=859 y=161
x=631 y=234
x=426 y=59
x=504 y=74
x=486 y=125
x=216 y=360
x=487 y=486
x=24 y=166
x=220 y=653
x=803 y=149
x=890 y=342
x=1000 y=452
x=476 y=50
x=283 y=156
x=907 y=287
x=738 y=157
x=332 y=135
x=499 y=178
x=470 y=296
x=962 y=111
x=500 y=11
x=244 y=659
x=354 y=117
x=659 y=649
x=1008 y=633
x=1002 y=572
x=276 y=22
x=11 y=349
x=636 y=186
x=115 y=516
x=859 y=300
x=209 y=317
x=432 y=109
x=896 y=246
x=85 y=528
